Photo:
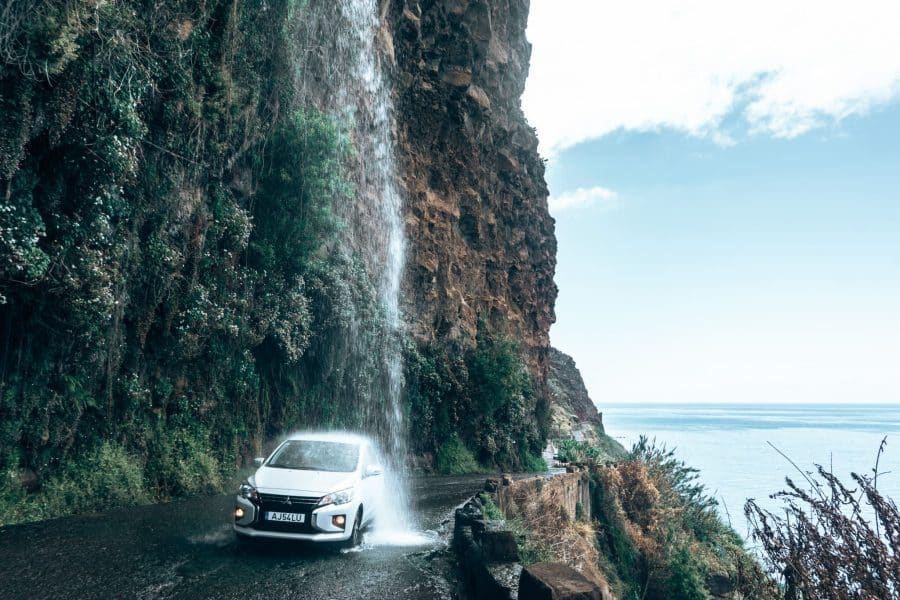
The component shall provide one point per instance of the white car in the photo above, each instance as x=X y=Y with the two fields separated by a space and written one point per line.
x=321 y=487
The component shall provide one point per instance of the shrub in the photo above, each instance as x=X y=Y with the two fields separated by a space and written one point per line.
x=660 y=533
x=604 y=450
x=570 y=451
x=180 y=462
x=686 y=574
x=484 y=396
x=489 y=508
x=505 y=425
x=532 y=463
x=453 y=458
x=546 y=531
x=103 y=477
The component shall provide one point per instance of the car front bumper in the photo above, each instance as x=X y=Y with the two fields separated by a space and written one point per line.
x=319 y=527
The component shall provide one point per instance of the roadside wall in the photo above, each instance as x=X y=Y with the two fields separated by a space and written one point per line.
x=572 y=491
x=556 y=513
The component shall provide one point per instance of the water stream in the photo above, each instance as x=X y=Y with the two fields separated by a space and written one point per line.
x=345 y=73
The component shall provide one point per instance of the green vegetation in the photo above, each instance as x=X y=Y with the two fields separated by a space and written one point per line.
x=475 y=409
x=572 y=451
x=453 y=458
x=532 y=548
x=172 y=289
x=102 y=476
x=653 y=533
x=489 y=508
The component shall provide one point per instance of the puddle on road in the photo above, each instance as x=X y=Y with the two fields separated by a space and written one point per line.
x=397 y=539
x=224 y=536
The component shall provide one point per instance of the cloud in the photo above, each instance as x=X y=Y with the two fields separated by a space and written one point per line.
x=583 y=197
x=782 y=67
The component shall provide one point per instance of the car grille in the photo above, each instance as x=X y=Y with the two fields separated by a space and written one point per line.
x=291 y=504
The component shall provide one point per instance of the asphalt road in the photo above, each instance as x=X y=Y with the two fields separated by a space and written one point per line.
x=187 y=550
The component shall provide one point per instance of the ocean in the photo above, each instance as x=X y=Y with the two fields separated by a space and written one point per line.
x=728 y=444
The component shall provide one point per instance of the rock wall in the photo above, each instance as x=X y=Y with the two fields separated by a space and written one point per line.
x=482 y=250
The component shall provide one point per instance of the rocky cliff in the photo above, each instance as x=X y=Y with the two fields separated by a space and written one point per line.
x=482 y=250
x=198 y=246
x=573 y=413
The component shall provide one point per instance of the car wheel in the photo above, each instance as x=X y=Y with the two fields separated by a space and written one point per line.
x=356 y=534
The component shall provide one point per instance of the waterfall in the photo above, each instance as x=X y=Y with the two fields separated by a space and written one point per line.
x=344 y=73
x=380 y=173
x=386 y=230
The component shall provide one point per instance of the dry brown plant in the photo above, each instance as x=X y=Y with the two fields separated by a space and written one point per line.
x=663 y=537
x=833 y=541
x=551 y=531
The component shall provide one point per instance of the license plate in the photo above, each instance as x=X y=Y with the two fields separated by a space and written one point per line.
x=285 y=517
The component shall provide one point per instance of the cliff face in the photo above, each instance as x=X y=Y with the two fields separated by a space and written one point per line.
x=573 y=414
x=482 y=250
x=193 y=260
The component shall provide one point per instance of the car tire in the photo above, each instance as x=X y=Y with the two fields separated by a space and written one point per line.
x=356 y=534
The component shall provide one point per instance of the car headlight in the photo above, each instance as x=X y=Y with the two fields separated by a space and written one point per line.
x=248 y=491
x=341 y=497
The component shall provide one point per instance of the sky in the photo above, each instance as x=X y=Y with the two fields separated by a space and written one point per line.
x=725 y=179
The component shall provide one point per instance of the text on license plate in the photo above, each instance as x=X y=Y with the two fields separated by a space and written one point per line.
x=285 y=517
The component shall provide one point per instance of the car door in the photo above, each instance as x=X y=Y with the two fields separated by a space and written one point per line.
x=372 y=487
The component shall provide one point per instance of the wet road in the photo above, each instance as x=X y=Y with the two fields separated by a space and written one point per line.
x=187 y=550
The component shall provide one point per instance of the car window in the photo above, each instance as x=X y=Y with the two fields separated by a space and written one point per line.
x=366 y=459
x=315 y=455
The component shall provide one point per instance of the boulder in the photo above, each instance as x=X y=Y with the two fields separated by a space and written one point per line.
x=556 y=581
x=479 y=96
x=457 y=76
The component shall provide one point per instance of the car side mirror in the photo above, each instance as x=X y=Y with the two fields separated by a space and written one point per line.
x=258 y=461
x=372 y=471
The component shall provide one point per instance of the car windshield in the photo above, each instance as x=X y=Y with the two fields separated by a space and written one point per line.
x=315 y=455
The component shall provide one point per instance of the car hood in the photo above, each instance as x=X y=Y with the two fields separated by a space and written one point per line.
x=293 y=481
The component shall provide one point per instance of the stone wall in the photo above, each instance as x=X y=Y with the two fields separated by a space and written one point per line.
x=487 y=553
x=488 y=550
x=572 y=491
